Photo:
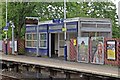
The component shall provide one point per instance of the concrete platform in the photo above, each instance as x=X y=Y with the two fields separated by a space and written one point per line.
x=105 y=70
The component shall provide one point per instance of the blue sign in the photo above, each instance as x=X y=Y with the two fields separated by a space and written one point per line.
x=58 y=20
x=6 y=27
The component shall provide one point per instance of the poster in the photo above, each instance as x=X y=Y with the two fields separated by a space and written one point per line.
x=97 y=50
x=111 y=50
x=83 y=53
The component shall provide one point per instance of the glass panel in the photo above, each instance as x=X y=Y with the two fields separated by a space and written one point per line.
x=34 y=36
x=105 y=34
x=29 y=44
x=42 y=43
x=61 y=36
x=103 y=25
x=88 y=25
x=34 y=43
x=72 y=36
x=43 y=36
x=85 y=34
x=62 y=42
x=29 y=36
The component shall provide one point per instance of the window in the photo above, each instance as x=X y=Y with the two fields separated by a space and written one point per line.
x=43 y=40
x=61 y=41
x=31 y=40
x=29 y=36
x=34 y=36
x=43 y=36
x=34 y=43
x=28 y=43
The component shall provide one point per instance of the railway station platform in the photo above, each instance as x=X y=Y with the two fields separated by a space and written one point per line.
x=102 y=70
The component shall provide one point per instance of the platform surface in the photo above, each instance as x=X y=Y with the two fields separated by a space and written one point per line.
x=105 y=70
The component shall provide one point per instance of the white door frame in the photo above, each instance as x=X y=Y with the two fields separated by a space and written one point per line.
x=49 y=44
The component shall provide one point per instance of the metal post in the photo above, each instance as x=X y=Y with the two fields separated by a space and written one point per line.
x=6 y=12
x=37 y=40
x=13 y=46
x=6 y=31
x=119 y=12
x=65 y=46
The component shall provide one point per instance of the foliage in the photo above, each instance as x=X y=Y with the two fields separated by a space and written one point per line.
x=17 y=11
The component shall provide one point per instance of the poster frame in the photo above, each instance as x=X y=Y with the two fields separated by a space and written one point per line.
x=87 y=50
x=103 y=50
x=115 y=50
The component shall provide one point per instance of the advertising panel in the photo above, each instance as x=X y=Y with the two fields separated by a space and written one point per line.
x=111 y=50
x=97 y=50
x=83 y=51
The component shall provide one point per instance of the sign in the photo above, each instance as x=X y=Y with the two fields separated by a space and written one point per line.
x=83 y=53
x=5 y=28
x=64 y=29
x=56 y=27
x=71 y=26
x=97 y=50
x=57 y=20
x=111 y=51
x=75 y=42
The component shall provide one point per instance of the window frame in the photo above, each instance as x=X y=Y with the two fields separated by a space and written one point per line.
x=42 y=40
x=32 y=40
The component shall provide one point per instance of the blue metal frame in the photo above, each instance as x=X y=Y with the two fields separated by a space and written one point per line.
x=43 y=25
x=42 y=52
x=47 y=41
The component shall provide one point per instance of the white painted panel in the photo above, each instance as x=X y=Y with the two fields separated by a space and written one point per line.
x=1 y=45
x=15 y=45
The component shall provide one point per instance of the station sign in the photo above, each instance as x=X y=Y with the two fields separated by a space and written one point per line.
x=58 y=20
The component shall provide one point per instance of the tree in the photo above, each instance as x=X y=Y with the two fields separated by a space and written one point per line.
x=17 y=11
x=46 y=11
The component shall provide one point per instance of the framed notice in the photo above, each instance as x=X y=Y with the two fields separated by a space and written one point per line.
x=83 y=46
x=97 y=50
x=111 y=50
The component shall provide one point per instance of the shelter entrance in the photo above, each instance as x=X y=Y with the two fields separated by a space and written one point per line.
x=53 y=44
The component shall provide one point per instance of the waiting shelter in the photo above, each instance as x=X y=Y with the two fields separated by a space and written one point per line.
x=51 y=34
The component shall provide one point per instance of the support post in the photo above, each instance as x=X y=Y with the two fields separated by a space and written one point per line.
x=6 y=31
x=13 y=46
x=65 y=32
x=37 y=40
